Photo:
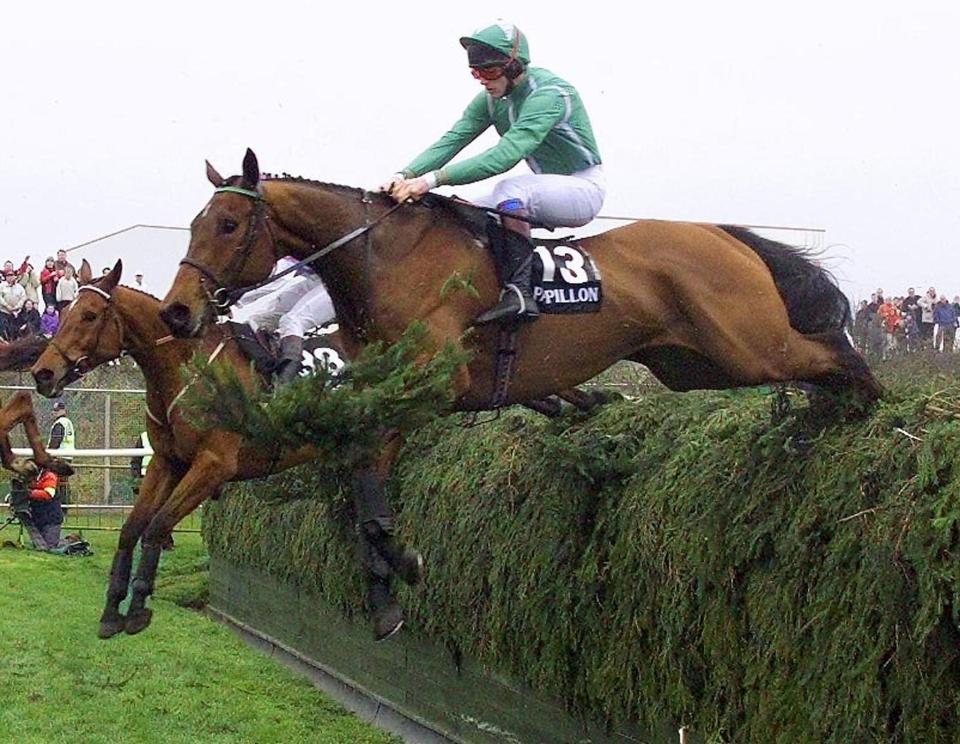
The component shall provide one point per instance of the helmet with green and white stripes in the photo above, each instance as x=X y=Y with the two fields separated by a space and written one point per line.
x=497 y=44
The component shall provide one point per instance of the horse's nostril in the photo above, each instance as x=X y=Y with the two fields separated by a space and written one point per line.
x=43 y=375
x=177 y=318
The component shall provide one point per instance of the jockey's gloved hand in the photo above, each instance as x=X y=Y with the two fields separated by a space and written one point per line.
x=411 y=188
x=388 y=185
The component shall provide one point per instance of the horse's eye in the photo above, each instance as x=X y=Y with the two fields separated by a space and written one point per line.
x=88 y=316
x=227 y=226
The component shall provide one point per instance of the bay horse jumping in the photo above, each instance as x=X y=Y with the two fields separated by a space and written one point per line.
x=702 y=306
x=188 y=465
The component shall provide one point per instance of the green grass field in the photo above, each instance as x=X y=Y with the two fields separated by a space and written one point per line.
x=184 y=679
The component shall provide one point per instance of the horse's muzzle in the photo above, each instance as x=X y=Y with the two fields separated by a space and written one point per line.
x=178 y=319
x=44 y=379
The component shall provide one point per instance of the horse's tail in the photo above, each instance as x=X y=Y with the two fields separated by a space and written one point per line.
x=810 y=293
x=22 y=353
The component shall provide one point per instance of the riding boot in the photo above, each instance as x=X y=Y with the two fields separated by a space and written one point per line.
x=514 y=253
x=288 y=367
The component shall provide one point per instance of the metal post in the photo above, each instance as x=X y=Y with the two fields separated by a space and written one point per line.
x=106 y=445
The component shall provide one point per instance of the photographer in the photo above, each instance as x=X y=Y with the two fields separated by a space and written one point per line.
x=45 y=509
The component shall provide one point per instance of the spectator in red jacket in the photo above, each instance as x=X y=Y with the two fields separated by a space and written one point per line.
x=889 y=314
x=45 y=509
x=49 y=276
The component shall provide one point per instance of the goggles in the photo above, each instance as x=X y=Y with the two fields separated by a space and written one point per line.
x=486 y=73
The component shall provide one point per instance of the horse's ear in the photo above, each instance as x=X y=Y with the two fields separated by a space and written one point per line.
x=109 y=282
x=215 y=178
x=85 y=275
x=251 y=170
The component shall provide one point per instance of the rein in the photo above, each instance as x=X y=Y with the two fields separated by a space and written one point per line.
x=223 y=297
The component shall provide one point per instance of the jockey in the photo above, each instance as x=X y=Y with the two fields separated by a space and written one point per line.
x=541 y=119
x=294 y=305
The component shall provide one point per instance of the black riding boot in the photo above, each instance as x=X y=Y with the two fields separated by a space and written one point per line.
x=515 y=258
x=291 y=349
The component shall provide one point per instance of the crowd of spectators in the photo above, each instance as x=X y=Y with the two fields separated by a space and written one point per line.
x=887 y=326
x=31 y=301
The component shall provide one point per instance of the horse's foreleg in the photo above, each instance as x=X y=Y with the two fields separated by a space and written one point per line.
x=383 y=555
x=209 y=471
x=156 y=487
x=19 y=410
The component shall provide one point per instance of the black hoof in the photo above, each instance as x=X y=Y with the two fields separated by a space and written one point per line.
x=59 y=467
x=110 y=628
x=387 y=621
x=138 y=620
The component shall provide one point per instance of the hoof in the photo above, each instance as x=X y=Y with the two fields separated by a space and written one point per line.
x=410 y=566
x=110 y=628
x=59 y=467
x=387 y=621
x=137 y=621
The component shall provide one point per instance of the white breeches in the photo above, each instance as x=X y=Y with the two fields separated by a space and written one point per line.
x=553 y=200
x=315 y=308
x=266 y=312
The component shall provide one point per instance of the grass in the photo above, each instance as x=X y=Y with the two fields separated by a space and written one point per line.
x=185 y=679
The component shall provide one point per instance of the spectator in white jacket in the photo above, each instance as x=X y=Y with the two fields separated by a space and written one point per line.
x=12 y=298
x=67 y=288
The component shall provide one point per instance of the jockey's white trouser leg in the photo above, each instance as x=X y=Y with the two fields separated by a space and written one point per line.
x=266 y=312
x=315 y=308
x=253 y=295
x=552 y=200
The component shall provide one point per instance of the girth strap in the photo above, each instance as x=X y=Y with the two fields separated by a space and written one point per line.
x=505 y=365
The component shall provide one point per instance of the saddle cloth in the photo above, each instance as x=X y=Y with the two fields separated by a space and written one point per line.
x=565 y=278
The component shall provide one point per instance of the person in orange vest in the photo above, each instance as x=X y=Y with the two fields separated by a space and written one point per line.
x=45 y=509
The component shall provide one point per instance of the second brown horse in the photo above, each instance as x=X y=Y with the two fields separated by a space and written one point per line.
x=188 y=465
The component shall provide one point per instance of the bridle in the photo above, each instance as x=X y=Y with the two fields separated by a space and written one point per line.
x=223 y=297
x=77 y=368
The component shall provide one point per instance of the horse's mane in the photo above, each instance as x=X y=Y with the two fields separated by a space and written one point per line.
x=96 y=283
x=323 y=185
x=471 y=217
x=460 y=211
x=140 y=291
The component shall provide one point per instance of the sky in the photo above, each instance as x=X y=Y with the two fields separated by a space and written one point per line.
x=840 y=117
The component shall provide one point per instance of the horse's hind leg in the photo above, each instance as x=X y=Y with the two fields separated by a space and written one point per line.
x=583 y=399
x=209 y=471
x=156 y=487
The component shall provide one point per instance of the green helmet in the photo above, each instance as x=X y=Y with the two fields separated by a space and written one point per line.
x=502 y=37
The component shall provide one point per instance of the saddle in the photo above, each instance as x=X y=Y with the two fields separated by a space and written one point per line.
x=565 y=279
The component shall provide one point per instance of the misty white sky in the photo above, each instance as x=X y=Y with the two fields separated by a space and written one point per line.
x=826 y=115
